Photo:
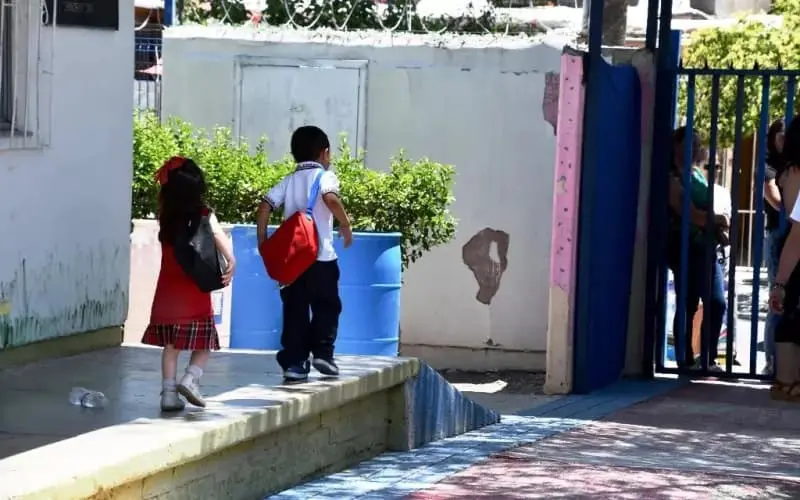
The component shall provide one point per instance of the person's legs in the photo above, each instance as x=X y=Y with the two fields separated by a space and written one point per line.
x=190 y=382
x=772 y=254
x=169 y=370
x=786 y=385
x=326 y=306
x=293 y=356
x=691 y=299
x=716 y=311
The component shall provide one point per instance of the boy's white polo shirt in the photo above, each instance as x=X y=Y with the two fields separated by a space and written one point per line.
x=292 y=193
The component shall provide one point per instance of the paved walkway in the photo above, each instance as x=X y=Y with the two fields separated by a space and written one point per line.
x=34 y=398
x=635 y=440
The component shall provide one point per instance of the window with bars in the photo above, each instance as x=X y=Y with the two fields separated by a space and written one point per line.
x=6 y=59
x=25 y=74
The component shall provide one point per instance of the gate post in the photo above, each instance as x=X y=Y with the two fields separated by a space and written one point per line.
x=663 y=117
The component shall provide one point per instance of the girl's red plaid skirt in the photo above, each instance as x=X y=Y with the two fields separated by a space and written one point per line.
x=200 y=335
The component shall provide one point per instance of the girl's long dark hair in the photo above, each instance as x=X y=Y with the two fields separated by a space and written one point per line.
x=791 y=144
x=775 y=158
x=678 y=136
x=181 y=201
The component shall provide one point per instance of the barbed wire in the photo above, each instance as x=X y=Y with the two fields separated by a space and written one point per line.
x=414 y=16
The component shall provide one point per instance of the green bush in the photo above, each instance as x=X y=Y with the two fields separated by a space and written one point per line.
x=412 y=198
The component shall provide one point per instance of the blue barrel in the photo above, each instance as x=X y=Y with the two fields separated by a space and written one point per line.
x=369 y=286
x=256 y=311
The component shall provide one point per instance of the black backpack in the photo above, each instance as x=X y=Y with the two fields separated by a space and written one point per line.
x=197 y=254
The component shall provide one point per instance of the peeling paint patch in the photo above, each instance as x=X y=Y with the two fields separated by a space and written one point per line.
x=552 y=84
x=488 y=269
x=5 y=308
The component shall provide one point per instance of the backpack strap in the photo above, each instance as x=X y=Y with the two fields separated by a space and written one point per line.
x=312 y=198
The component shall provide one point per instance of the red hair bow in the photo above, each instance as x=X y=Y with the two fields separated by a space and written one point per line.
x=162 y=174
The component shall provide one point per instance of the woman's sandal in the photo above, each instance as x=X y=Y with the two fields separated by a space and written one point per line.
x=785 y=392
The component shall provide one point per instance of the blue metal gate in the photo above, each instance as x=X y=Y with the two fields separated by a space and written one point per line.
x=690 y=98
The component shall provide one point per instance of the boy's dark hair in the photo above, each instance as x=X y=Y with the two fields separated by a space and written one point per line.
x=775 y=157
x=181 y=200
x=308 y=143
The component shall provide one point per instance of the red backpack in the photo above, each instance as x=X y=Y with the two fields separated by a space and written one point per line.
x=293 y=247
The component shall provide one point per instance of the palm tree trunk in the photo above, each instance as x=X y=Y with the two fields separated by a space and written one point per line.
x=615 y=21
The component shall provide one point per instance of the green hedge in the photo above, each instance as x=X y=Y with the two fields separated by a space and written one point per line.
x=411 y=197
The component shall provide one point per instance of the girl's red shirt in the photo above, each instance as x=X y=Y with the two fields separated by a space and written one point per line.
x=177 y=300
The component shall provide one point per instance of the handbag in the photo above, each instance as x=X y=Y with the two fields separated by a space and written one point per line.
x=196 y=252
x=294 y=246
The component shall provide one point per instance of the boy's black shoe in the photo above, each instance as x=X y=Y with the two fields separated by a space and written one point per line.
x=326 y=367
x=297 y=373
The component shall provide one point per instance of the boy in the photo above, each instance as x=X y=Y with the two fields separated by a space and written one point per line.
x=318 y=287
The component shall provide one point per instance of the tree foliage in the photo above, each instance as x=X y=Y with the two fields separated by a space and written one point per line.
x=747 y=44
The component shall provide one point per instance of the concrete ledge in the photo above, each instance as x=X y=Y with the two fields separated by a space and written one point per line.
x=61 y=346
x=249 y=441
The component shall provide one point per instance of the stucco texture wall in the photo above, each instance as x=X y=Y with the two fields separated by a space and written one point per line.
x=486 y=105
x=65 y=216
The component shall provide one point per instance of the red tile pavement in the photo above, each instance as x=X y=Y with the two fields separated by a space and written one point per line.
x=505 y=477
x=706 y=440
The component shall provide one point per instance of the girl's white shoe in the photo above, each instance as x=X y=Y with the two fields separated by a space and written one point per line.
x=170 y=401
x=189 y=389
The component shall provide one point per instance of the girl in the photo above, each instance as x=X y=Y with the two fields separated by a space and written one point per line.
x=182 y=318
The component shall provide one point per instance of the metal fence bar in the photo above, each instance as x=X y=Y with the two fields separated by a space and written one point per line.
x=758 y=233
x=710 y=236
x=679 y=334
x=737 y=158
x=737 y=72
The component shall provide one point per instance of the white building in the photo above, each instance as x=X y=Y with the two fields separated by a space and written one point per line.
x=65 y=174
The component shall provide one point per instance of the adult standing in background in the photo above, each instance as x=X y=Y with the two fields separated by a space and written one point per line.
x=701 y=271
x=784 y=296
x=772 y=226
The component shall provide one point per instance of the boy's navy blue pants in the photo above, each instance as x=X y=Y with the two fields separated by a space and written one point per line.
x=315 y=291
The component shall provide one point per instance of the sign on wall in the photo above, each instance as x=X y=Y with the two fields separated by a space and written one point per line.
x=101 y=14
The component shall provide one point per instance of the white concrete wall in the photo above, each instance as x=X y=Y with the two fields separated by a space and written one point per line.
x=475 y=103
x=65 y=207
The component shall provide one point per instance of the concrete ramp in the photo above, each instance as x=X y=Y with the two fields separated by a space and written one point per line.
x=438 y=410
x=256 y=437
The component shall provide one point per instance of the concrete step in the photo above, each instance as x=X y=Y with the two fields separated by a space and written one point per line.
x=255 y=437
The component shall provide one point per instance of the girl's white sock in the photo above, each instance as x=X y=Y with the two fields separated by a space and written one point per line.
x=195 y=371
x=169 y=385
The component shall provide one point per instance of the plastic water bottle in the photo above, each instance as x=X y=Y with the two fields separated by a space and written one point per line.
x=80 y=396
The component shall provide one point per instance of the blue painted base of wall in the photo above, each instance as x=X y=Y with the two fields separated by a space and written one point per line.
x=437 y=410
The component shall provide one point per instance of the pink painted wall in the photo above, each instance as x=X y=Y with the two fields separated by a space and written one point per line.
x=565 y=225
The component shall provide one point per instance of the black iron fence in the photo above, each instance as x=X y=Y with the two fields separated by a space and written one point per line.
x=147 y=73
